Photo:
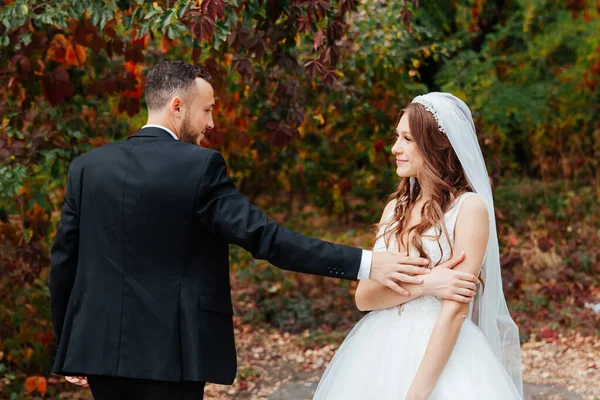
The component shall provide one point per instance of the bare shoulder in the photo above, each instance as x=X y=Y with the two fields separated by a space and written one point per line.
x=474 y=208
x=388 y=210
x=473 y=216
x=389 y=207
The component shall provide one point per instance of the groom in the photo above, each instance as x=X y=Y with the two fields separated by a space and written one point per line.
x=139 y=284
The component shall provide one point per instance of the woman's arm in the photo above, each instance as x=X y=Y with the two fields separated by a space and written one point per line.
x=443 y=281
x=471 y=236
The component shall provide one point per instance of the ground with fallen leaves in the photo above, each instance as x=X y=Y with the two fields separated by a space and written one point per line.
x=269 y=359
x=571 y=362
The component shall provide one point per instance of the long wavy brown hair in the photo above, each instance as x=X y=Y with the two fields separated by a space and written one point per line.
x=442 y=168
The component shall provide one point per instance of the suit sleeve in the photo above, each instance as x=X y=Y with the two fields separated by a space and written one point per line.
x=226 y=212
x=64 y=256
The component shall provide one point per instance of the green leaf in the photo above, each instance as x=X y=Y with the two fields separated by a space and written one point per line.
x=152 y=13
x=21 y=10
x=94 y=20
x=182 y=10
x=171 y=32
x=105 y=18
x=26 y=39
x=167 y=19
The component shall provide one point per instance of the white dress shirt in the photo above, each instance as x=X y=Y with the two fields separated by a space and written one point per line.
x=364 y=271
x=161 y=127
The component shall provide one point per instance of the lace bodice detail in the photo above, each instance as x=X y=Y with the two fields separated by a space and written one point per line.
x=438 y=250
x=426 y=305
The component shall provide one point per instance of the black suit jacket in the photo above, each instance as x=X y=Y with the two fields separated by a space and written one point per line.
x=139 y=282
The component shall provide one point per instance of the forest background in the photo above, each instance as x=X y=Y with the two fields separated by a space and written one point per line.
x=308 y=93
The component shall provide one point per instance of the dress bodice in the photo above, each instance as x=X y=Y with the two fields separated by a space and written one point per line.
x=439 y=250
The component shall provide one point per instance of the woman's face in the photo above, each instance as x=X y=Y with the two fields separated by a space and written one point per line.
x=409 y=159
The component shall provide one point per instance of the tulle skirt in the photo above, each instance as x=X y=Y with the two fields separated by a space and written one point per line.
x=380 y=357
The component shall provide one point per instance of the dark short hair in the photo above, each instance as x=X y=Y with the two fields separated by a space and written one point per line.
x=168 y=79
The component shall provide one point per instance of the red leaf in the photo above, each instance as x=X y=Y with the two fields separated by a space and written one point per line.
x=304 y=24
x=281 y=135
x=42 y=385
x=244 y=67
x=285 y=60
x=30 y=384
x=75 y=55
x=329 y=77
x=57 y=85
x=131 y=105
x=348 y=5
x=57 y=48
x=216 y=71
x=335 y=29
x=313 y=67
x=134 y=53
x=316 y=8
x=258 y=44
x=318 y=40
x=203 y=28
x=213 y=8
x=331 y=55
x=214 y=138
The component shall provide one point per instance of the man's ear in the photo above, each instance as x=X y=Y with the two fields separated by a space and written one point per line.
x=175 y=107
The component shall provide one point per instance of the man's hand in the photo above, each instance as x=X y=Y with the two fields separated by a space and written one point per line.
x=390 y=268
x=77 y=380
x=448 y=284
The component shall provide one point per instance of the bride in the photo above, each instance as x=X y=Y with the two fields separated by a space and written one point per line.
x=417 y=348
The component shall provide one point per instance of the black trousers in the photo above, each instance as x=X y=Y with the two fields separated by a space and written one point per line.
x=116 y=388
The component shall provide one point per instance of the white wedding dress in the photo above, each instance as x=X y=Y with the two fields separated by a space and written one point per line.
x=381 y=355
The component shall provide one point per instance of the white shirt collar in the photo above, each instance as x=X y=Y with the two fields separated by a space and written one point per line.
x=161 y=127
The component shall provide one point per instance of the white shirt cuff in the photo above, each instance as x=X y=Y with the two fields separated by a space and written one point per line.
x=364 y=271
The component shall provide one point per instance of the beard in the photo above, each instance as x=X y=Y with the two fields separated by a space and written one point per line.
x=188 y=133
